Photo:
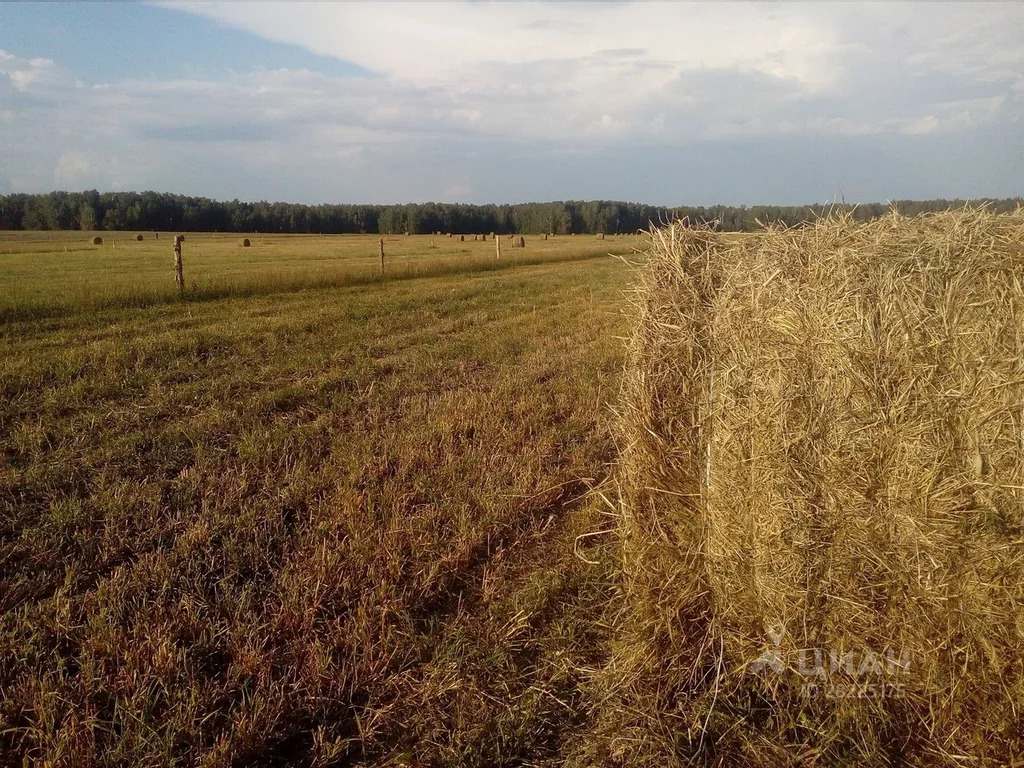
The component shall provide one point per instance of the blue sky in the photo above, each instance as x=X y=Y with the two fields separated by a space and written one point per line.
x=105 y=42
x=492 y=102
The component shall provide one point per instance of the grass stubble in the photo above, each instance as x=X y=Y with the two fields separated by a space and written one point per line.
x=310 y=516
x=53 y=274
x=327 y=526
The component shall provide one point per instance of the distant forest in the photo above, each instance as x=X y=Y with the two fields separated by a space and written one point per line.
x=132 y=211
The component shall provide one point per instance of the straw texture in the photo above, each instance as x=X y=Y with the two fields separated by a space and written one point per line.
x=822 y=487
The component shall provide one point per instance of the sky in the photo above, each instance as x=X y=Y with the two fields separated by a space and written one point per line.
x=656 y=102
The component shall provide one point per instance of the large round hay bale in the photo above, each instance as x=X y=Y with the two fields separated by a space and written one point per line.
x=179 y=238
x=822 y=494
x=139 y=238
x=245 y=242
x=97 y=240
x=600 y=235
x=521 y=242
x=462 y=238
x=483 y=237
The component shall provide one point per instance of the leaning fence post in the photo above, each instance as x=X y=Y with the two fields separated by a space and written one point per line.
x=382 y=255
x=179 y=274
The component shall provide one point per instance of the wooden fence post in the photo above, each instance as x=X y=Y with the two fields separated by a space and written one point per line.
x=382 y=255
x=179 y=273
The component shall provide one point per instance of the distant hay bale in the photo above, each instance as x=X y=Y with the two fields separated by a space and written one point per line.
x=139 y=238
x=476 y=238
x=245 y=242
x=97 y=240
x=449 y=234
x=483 y=238
x=179 y=238
x=600 y=235
x=545 y=236
x=462 y=238
x=521 y=243
x=822 y=496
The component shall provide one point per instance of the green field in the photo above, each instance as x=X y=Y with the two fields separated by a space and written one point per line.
x=52 y=272
x=338 y=525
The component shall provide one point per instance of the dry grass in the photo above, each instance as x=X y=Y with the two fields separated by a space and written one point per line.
x=49 y=274
x=823 y=451
x=320 y=517
x=329 y=527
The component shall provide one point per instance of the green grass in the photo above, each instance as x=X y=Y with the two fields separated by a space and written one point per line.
x=331 y=526
x=52 y=273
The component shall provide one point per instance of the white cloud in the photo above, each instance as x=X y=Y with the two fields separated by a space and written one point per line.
x=447 y=80
x=23 y=74
x=554 y=71
x=71 y=168
x=447 y=42
x=920 y=125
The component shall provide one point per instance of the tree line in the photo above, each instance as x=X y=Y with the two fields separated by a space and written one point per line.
x=161 y=211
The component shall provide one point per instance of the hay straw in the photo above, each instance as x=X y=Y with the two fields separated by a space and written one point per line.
x=823 y=448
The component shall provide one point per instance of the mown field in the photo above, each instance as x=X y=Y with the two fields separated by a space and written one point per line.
x=48 y=273
x=348 y=524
